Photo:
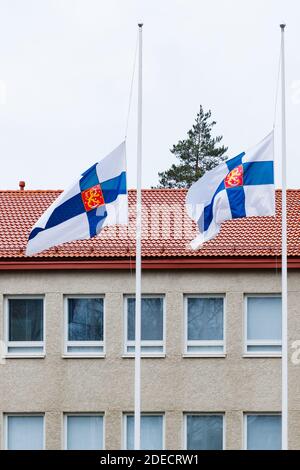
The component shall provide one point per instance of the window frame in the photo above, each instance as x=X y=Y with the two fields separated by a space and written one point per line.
x=199 y=413
x=85 y=414
x=148 y=413
x=245 y=427
x=24 y=344
x=28 y=415
x=247 y=343
x=187 y=342
x=144 y=343
x=68 y=343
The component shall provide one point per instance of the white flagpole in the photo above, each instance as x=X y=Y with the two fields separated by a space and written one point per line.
x=138 y=261
x=284 y=360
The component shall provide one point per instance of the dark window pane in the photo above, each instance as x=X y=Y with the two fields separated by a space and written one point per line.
x=152 y=319
x=25 y=319
x=204 y=432
x=205 y=318
x=85 y=320
x=131 y=319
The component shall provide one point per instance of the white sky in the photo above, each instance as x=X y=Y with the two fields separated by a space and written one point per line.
x=66 y=66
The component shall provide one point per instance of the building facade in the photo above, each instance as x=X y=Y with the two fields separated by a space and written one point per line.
x=211 y=337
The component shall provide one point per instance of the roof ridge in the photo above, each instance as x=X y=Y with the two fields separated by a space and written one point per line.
x=27 y=191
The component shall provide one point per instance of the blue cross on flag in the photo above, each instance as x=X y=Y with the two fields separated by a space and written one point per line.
x=240 y=187
x=97 y=199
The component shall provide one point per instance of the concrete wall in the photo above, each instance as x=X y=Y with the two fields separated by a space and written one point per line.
x=173 y=384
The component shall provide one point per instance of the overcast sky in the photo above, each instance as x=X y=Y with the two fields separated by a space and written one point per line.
x=66 y=67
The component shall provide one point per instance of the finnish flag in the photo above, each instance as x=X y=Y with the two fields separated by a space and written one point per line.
x=97 y=199
x=240 y=187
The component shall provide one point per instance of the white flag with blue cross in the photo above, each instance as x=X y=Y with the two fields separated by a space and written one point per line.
x=240 y=187
x=97 y=199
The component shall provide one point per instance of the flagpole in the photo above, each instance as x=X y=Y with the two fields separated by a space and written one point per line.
x=284 y=360
x=138 y=261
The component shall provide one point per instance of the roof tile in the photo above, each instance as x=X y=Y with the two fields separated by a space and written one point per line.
x=167 y=229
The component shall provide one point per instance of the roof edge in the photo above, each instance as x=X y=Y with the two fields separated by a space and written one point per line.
x=150 y=264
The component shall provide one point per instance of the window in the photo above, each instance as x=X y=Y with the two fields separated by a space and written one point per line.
x=24 y=432
x=152 y=432
x=84 y=432
x=24 y=326
x=204 y=432
x=263 y=325
x=204 y=325
x=84 y=326
x=263 y=432
x=152 y=325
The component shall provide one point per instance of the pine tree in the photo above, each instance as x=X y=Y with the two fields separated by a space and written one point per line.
x=198 y=153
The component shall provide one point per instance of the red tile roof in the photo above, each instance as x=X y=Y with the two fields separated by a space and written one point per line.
x=167 y=230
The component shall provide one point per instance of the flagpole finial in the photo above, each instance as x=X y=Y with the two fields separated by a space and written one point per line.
x=283 y=25
x=140 y=25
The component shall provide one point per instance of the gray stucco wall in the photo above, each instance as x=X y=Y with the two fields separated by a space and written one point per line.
x=173 y=385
